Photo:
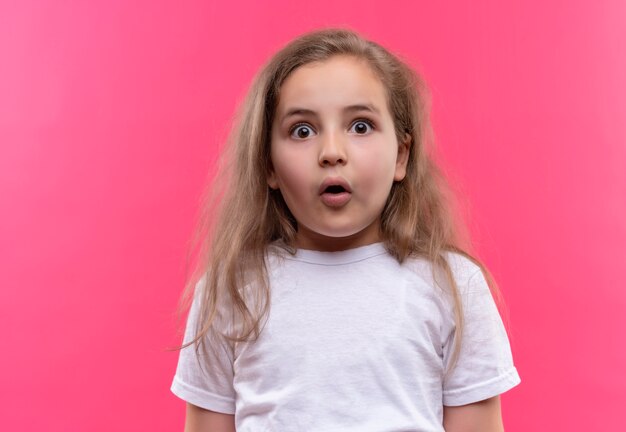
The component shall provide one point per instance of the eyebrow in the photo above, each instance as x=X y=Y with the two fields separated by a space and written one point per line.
x=350 y=108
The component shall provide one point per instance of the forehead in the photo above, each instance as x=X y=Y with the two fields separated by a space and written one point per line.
x=331 y=85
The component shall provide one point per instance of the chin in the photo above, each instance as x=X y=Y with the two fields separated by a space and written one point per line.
x=338 y=232
x=343 y=233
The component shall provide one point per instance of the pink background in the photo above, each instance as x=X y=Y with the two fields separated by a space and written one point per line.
x=110 y=114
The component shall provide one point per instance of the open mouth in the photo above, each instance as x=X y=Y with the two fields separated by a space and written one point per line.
x=334 y=186
x=335 y=192
x=335 y=189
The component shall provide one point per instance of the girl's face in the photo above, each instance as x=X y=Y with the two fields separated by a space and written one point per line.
x=334 y=153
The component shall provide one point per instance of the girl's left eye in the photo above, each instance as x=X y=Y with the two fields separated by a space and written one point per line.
x=361 y=126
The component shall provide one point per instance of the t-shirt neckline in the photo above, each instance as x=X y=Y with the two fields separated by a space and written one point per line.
x=347 y=256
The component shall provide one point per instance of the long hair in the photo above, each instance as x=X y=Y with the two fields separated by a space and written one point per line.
x=417 y=220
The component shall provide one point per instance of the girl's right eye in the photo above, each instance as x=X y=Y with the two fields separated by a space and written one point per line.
x=301 y=131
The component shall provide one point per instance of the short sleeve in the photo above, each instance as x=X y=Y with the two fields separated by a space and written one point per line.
x=485 y=364
x=204 y=376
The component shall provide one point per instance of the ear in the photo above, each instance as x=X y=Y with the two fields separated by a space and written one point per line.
x=272 y=181
x=404 y=149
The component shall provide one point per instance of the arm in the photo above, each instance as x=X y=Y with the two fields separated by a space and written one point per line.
x=201 y=420
x=483 y=416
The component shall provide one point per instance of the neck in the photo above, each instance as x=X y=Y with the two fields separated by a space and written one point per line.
x=307 y=239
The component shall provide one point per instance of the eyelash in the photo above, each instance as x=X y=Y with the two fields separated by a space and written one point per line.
x=361 y=120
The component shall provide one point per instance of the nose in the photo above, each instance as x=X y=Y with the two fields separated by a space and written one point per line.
x=333 y=150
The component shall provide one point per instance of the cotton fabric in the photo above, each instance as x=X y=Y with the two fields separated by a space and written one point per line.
x=354 y=341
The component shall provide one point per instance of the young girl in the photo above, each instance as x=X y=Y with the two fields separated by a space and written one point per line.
x=335 y=295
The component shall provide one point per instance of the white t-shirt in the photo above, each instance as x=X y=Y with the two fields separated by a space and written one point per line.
x=355 y=341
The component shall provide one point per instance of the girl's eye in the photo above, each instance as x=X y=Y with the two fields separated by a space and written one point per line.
x=361 y=126
x=301 y=131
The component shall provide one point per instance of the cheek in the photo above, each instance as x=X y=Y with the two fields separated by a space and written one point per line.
x=380 y=167
x=291 y=177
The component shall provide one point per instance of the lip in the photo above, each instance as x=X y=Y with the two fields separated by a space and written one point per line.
x=335 y=181
x=335 y=199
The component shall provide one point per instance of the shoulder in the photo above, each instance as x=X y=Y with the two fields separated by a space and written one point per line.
x=464 y=270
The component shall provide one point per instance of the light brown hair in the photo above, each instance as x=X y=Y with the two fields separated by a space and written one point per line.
x=418 y=219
